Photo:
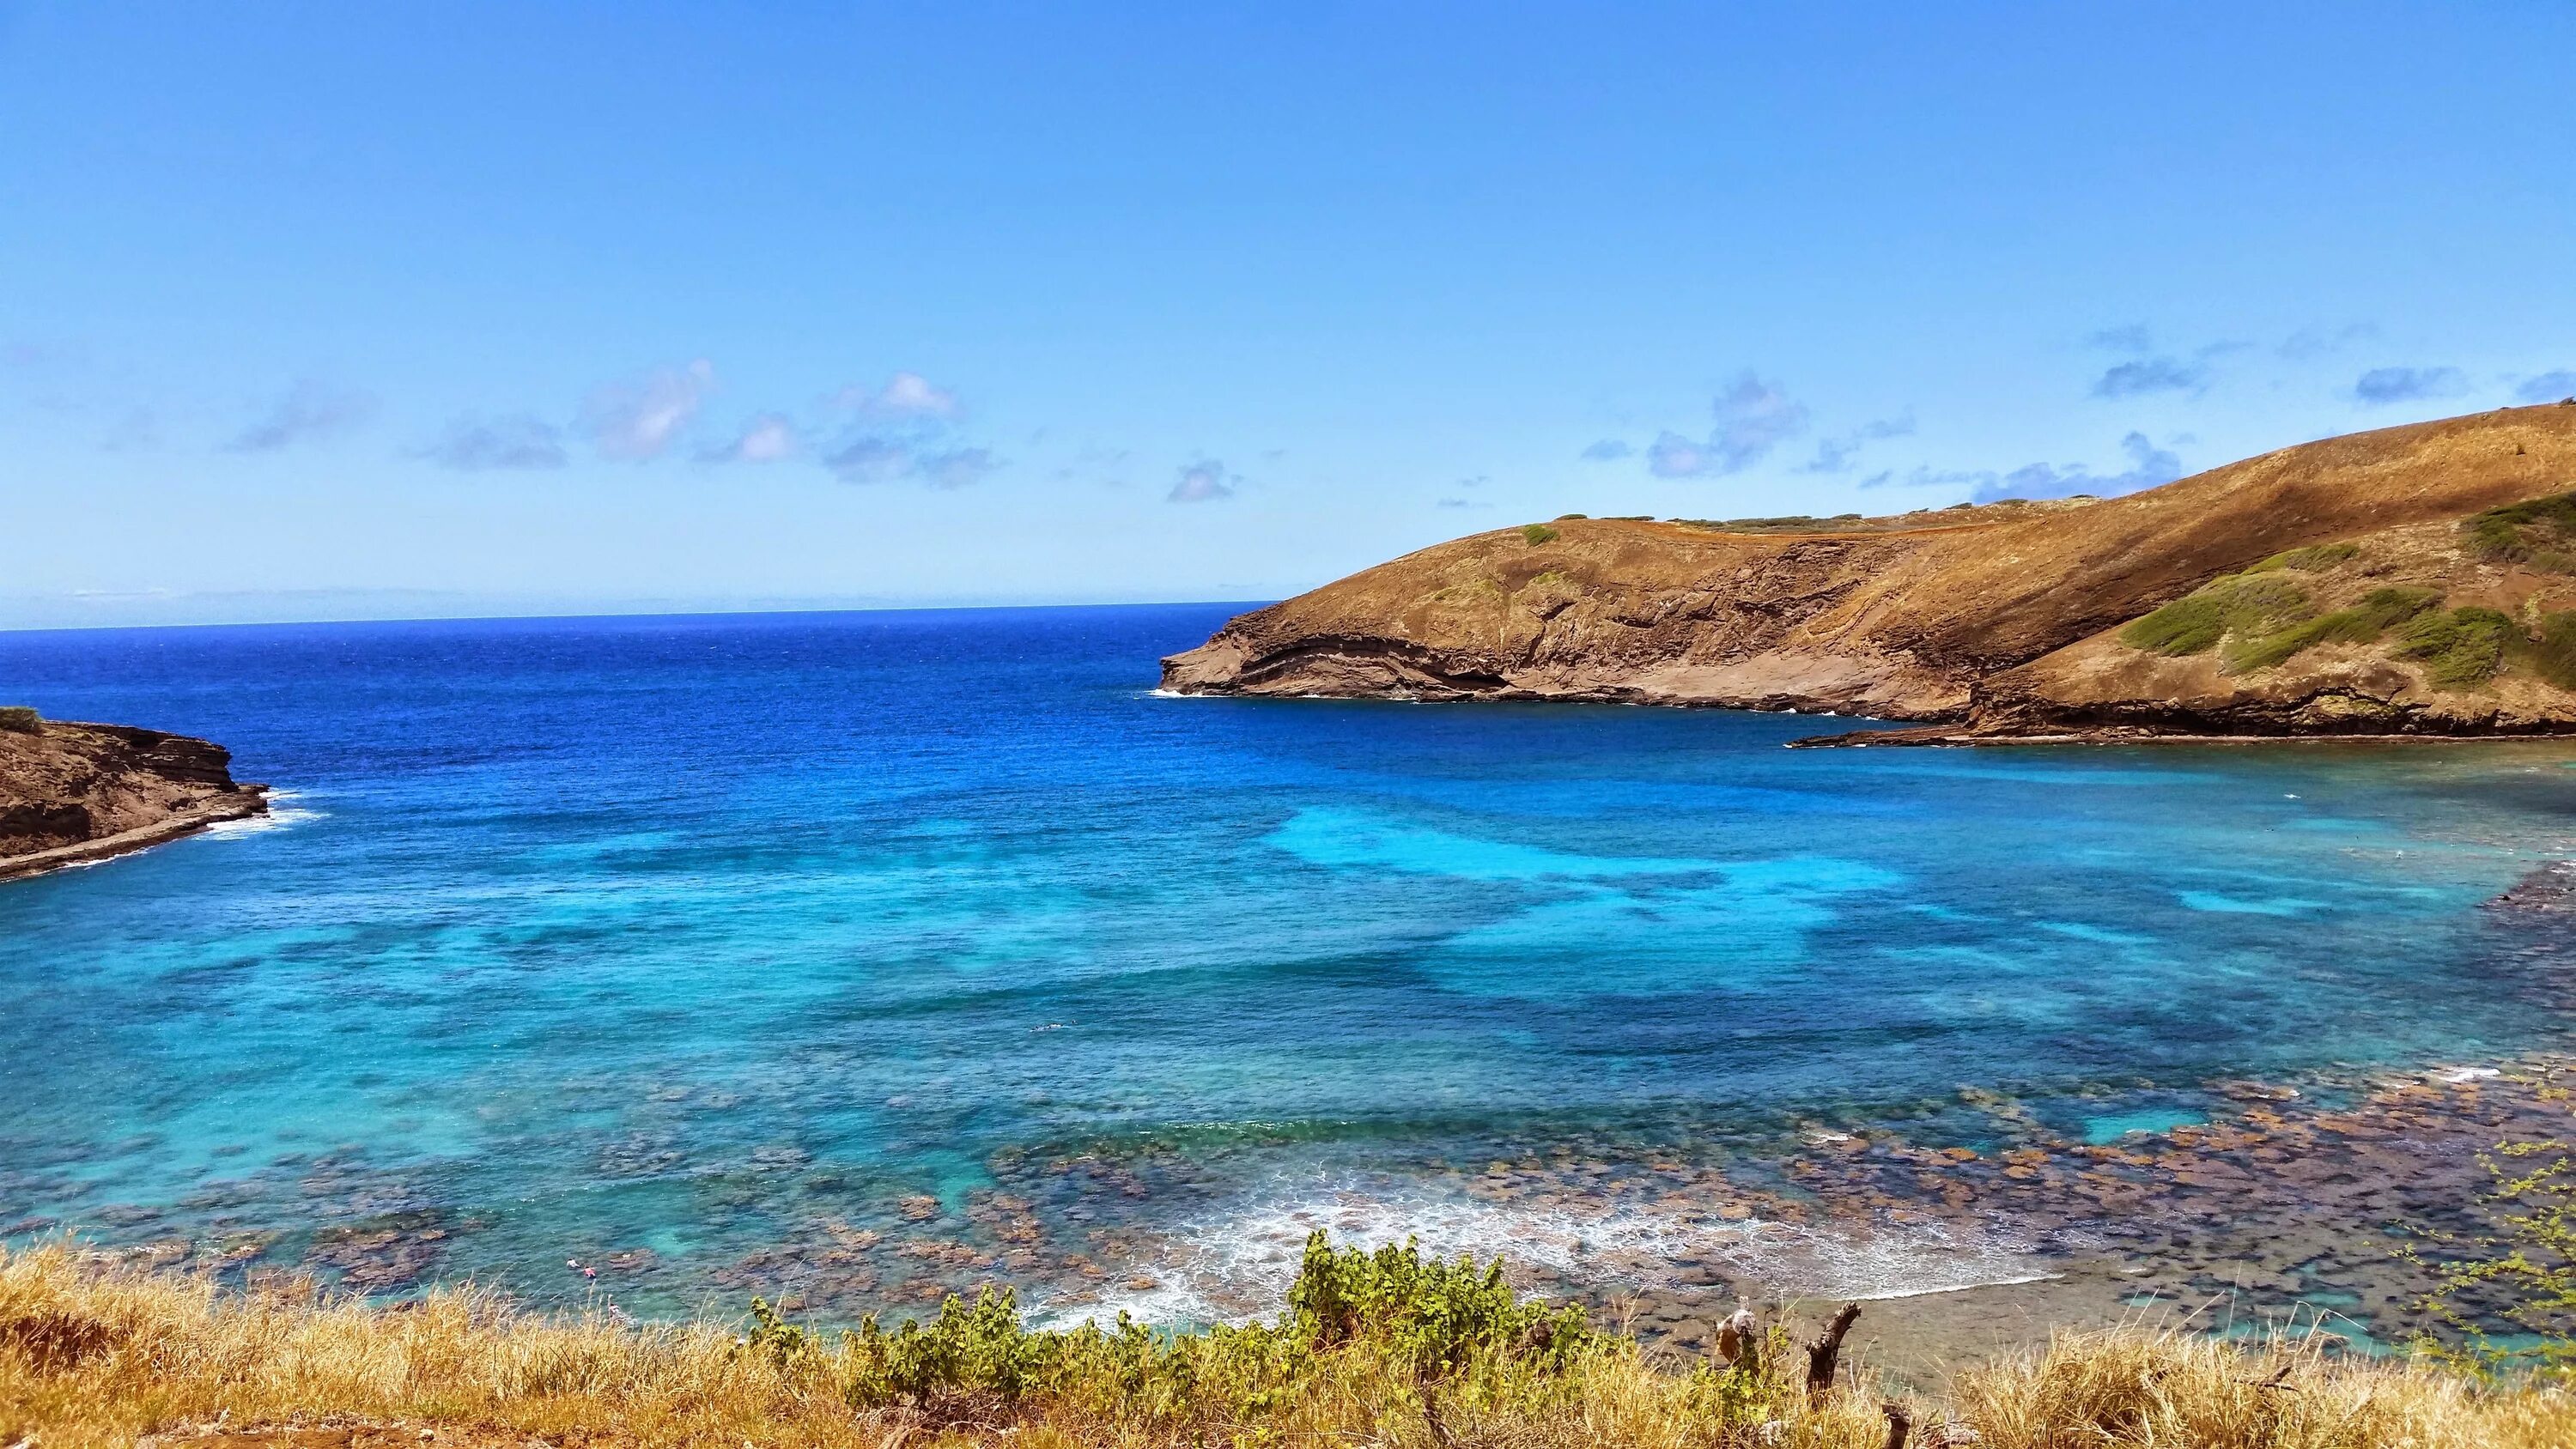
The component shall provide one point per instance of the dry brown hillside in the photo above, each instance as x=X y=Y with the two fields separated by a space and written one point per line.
x=2010 y=616
x=73 y=793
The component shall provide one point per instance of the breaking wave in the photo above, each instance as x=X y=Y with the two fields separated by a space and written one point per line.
x=1234 y=1264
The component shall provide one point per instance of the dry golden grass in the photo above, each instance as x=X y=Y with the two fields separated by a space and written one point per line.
x=97 y=1356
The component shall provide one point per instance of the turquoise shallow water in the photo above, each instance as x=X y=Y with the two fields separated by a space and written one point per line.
x=685 y=938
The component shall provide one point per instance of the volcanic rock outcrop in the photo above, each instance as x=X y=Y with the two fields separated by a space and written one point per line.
x=73 y=793
x=2412 y=580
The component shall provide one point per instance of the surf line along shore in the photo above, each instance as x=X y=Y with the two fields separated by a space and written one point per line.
x=75 y=793
x=2284 y=1204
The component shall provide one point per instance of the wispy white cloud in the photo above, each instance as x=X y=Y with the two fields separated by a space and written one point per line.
x=1609 y=450
x=1204 y=481
x=955 y=467
x=767 y=438
x=906 y=429
x=311 y=410
x=875 y=458
x=2383 y=385
x=638 y=419
x=2131 y=337
x=475 y=444
x=869 y=459
x=1834 y=455
x=905 y=395
x=2310 y=343
x=2152 y=374
x=2149 y=467
x=1752 y=418
x=2547 y=387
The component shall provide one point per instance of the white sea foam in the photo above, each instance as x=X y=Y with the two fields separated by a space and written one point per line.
x=281 y=814
x=1234 y=1265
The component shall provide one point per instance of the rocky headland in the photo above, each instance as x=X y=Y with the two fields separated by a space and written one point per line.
x=2417 y=580
x=74 y=793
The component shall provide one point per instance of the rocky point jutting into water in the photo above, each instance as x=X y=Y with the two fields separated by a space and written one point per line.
x=73 y=793
x=2412 y=580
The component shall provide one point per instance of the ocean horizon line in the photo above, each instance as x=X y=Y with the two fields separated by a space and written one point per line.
x=547 y=616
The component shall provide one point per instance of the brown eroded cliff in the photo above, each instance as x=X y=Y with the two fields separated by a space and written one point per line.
x=2006 y=617
x=72 y=793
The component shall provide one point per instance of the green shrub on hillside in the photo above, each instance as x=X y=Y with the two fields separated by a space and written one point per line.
x=2190 y=625
x=1784 y=523
x=2363 y=623
x=2235 y=604
x=2394 y=606
x=1535 y=534
x=2552 y=651
x=2309 y=559
x=2540 y=533
x=2461 y=648
x=20 y=719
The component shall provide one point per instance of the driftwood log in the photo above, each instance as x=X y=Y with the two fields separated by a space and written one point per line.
x=1825 y=1354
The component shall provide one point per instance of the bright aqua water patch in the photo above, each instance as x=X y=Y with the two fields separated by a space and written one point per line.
x=2095 y=934
x=2122 y=774
x=1559 y=927
x=2241 y=906
x=701 y=935
x=1349 y=838
x=2102 y=1131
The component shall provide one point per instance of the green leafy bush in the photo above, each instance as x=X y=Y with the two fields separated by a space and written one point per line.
x=2309 y=559
x=19 y=719
x=2540 y=533
x=1436 y=1317
x=1391 y=1313
x=1562 y=517
x=2518 y=1273
x=1537 y=533
x=775 y=1339
x=2461 y=648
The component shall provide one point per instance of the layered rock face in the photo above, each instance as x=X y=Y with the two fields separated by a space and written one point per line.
x=76 y=792
x=2012 y=617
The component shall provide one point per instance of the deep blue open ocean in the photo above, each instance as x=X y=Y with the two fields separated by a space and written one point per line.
x=699 y=941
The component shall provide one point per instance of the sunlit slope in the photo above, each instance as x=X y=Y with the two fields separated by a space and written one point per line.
x=1956 y=614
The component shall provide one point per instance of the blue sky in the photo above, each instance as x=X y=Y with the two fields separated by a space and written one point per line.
x=329 y=311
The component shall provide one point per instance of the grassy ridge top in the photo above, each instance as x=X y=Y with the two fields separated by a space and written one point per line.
x=1905 y=616
x=1377 y=1348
